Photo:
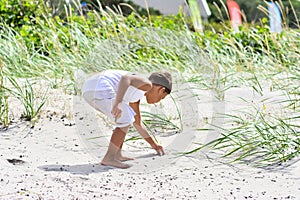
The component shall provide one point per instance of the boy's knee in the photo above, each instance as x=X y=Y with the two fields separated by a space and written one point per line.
x=124 y=129
x=121 y=131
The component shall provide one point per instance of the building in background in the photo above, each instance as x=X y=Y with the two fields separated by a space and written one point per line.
x=168 y=7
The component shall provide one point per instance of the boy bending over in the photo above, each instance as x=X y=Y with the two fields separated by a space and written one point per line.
x=117 y=94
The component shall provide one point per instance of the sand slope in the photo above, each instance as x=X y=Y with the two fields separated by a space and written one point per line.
x=58 y=163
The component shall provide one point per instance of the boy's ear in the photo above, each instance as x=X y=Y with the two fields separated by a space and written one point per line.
x=165 y=90
x=161 y=89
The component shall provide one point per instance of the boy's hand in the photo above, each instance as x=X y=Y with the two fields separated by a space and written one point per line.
x=159 y=149
x=117 y=110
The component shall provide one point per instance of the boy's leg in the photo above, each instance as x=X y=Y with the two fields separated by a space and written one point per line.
x=121 y=157
x=113 y=153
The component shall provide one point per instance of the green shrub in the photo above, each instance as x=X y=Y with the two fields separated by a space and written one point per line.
x=17 y=13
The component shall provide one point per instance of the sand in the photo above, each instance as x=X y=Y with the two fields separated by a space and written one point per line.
x=56 y=159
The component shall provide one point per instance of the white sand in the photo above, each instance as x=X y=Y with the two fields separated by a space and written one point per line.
x=61 y=164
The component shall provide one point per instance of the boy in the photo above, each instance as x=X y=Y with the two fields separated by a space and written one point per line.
x=117 y=94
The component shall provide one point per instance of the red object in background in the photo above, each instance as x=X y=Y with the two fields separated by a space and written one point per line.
x=235 y=14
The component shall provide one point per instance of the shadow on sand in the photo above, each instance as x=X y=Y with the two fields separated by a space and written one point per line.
x=83 y=169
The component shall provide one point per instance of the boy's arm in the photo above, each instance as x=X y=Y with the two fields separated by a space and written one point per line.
x=125 y=82
x=139 y=126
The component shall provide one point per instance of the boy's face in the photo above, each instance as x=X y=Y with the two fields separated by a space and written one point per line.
x=156 y=94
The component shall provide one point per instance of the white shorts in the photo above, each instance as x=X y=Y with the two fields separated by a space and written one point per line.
x=105 y=106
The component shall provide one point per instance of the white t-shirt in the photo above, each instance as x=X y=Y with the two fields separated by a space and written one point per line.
x=105 y=86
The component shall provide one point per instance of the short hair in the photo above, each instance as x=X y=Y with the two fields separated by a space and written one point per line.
x=162 y=78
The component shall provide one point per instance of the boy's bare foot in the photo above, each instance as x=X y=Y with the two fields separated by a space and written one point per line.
x=115 y=163
x=124 y=158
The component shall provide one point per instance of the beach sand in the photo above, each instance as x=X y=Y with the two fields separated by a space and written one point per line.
x=56 y=159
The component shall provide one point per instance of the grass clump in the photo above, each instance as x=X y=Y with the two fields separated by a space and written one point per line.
x=258 y=138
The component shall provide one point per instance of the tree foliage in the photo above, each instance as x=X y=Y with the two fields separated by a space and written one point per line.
x=17 y=13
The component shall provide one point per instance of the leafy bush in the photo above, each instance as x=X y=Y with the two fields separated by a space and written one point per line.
x=16 y=13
